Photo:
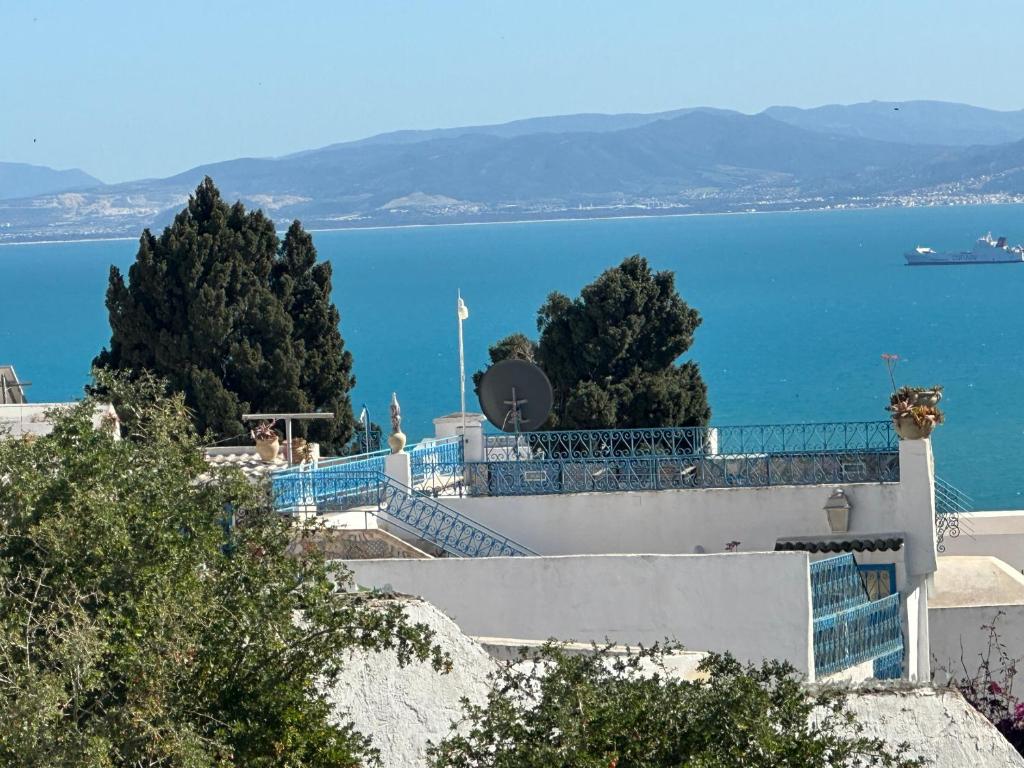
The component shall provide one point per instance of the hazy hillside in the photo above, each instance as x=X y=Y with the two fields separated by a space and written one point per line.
x=591 y=122
x=23 y=180
x=695 y=160
x=909 y=122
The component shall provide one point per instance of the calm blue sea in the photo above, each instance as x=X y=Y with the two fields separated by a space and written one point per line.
x=797 y=310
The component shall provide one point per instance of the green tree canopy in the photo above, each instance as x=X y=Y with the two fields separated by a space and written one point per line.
x=611 y=353
x=601 y=711
x=235 y=319
x=138 y=627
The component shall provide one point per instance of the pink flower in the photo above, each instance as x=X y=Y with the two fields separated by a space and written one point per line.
x=995 y=688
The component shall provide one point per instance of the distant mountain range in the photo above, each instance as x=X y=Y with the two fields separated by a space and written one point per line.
x=688 y=160
x=24 y=180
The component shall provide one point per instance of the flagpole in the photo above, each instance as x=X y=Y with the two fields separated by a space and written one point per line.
x=462 y=368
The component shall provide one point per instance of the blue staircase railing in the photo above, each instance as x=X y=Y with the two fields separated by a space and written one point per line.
x=952 y=509
x=441 y=525
x=850 y=629
x=351 y=485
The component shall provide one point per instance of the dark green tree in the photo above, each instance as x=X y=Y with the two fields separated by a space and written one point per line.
x=514 y=347
x=570 y=710
x=149 y=613
x=325 y=373
x=611 y=353
x=234 y=319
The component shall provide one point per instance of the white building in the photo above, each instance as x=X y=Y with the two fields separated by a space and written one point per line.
x=719 y=538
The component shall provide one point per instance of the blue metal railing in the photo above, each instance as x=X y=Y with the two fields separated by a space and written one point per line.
x=348 y=481
x=654 y=473
x=951 y=500
x=442 y=526
x=890 y=666
x=853 y=636
x=836 y=585
x=344 y=487
x=685 y=457
x=953 y=508
x=826 y=437
x=438 y=465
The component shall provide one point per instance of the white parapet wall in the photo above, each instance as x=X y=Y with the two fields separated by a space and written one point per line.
x=755 y=605
x=692 y=521
x=689 y=521
x=999 y=534
x=971 y=593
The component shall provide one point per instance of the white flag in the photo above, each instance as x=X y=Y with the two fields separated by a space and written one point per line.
x=463 y=310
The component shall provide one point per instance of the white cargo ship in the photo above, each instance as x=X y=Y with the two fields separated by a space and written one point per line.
x=987 y=250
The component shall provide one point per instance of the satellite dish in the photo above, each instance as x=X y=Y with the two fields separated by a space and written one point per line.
x=516 y=396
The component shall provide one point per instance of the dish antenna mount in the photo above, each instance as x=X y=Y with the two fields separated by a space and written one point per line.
x=516 y=396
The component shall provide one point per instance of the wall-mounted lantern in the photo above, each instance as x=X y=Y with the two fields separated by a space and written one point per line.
x=838 y=510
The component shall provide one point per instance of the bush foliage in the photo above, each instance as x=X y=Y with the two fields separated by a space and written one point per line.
x=600 y=710
x=149 y=615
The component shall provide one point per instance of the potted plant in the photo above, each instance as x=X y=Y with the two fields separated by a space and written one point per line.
x=268 y=442
x=915 y=411
x=919 y=395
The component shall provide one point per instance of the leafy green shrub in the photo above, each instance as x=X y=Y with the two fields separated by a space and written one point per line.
x=139 y=627
x=600 y=710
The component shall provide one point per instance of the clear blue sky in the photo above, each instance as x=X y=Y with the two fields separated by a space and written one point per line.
x=132 y=89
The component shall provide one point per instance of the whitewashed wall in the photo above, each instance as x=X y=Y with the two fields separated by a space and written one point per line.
x=756 y=605
x=999 y=534
x=956 y=633
x=698 y=520
x=404 y=707
x=675 y=521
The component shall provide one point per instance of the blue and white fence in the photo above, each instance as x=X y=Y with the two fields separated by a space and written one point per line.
x=348 y=481
x=856 y=635
x=685 y=457
x=850 y=629
x=438 y=466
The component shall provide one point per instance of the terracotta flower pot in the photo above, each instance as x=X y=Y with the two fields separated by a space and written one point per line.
x=267 y=449
x=908 y=429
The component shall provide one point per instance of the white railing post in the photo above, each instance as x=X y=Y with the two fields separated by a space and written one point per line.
x=915 y=514
x=398 y=467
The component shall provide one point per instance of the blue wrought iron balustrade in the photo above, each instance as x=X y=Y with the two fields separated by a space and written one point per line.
x=310 y=490
x=442 y=526
x=654 y=473
x=344 y=482
x=889 y=666
x=854 y=636
x=836 y=585
x=952 y=508
x=828 y=437
x=438 y=466
x=450 y=531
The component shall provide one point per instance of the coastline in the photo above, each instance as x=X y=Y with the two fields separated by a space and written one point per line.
x=555 y=220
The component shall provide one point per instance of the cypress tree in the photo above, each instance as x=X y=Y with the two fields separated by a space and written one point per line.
x=234 y=319
x=611 y=353
x=325 y=374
